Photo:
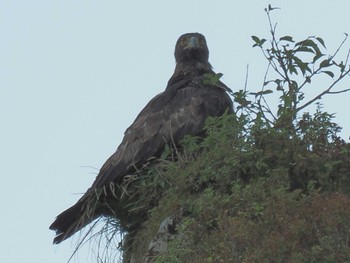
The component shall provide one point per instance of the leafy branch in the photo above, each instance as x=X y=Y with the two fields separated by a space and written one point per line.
x=296 y=64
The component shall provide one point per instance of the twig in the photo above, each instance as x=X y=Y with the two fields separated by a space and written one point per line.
x=267 y=107
x=347 y=58
x=340 y=46
x=340 y=91
x=327 y=91
x=246 y=78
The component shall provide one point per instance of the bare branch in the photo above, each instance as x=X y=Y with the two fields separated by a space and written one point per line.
x=340 y=91
x=340 y=46
x=327 y=91
x=266 y=106
x=347 y=57
x=246 y=77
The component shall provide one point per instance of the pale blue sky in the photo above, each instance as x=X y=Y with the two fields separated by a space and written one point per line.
x=74 y=75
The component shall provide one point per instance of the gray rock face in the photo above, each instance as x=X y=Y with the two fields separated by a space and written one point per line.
x=159 y=244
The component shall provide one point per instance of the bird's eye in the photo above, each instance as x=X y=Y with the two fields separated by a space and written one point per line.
x=183 y=42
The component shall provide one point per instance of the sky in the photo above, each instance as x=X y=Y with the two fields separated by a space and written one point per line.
x=74 y=75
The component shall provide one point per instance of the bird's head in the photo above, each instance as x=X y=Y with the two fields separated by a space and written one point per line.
x=191 y=47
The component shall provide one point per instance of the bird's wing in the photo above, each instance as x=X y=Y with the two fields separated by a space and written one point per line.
x=166 y=118
x=161 y=122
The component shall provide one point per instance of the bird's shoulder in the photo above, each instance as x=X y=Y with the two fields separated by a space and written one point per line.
x=180 y=93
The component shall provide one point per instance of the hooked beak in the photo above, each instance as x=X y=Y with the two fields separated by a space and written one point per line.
x=192 y=43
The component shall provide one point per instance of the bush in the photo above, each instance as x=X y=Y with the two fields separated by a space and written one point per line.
x=264 y=185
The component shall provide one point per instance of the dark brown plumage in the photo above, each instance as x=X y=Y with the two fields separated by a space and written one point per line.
x=180 y=110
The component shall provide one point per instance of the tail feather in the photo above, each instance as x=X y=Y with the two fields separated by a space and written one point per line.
x=69 y=222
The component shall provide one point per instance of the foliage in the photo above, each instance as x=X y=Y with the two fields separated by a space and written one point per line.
x=295 y=66
x=264 y=185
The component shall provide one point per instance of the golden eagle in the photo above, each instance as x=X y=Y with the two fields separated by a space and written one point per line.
x=192 y=95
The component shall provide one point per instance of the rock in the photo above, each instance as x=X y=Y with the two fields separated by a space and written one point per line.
x=159 y=244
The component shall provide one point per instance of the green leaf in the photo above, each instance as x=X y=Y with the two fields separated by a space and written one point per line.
x=309 y=43
x=321 y=41
x=211 y=78
x=305 y=49
x=166 y=153
x=342 y=66
x=258 y=42
x=263 y=92
x=240 y=98
x=292 y=70
x=317 y=57
x=325 y=63
x=329 y=73
x=287 y=38
x=279 y=87
x=267 y=82
x=256 y=39
x=302 y=65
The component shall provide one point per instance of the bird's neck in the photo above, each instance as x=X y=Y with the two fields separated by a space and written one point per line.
x=191 y=70
x=185 y=73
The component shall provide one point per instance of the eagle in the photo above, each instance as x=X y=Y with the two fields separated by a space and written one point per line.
x=193 y=93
